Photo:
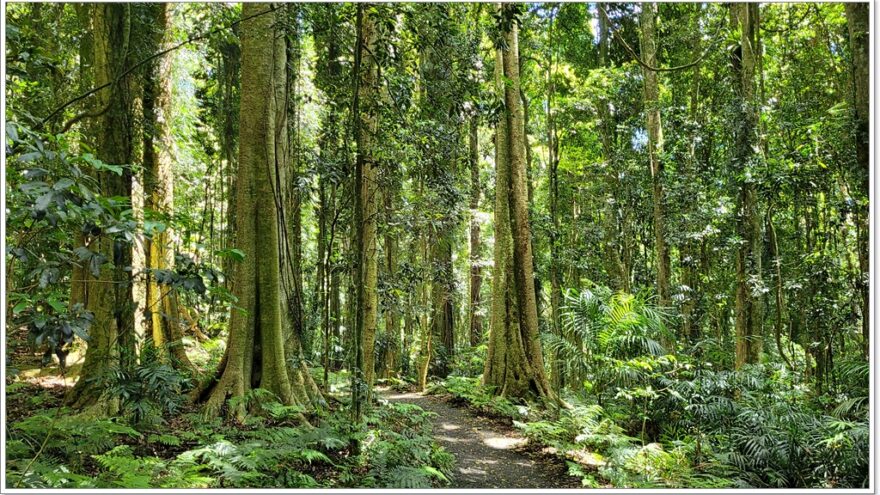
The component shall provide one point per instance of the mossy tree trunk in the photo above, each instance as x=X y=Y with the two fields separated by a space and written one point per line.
x=391 y=358
x=555 y=234
x=426 y=337
x=749 y=307
x=615 y=265
x=689 y=253
x=476 y=279
x=109 y=295
x=366 y=208
x=515 y=364
x=859 y=41
x=655 y=146
x=255 y=355
x=164 y=319
x=523 y=261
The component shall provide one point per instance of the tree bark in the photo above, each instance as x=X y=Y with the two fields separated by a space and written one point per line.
x=109 y=295
x=515 y=364
x=555 y=234
x=255 y=355
x=691 y=286
x=858 y=25
x=366 y=207
x=476 y=321
x=158 y=158
x=615 y=267
x=749 y=308
x=655 y=146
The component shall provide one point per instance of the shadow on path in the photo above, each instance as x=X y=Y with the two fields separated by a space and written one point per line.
x=485 y=456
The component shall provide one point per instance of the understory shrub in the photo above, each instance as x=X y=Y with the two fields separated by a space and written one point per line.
x=469 y=391
x=273 y=448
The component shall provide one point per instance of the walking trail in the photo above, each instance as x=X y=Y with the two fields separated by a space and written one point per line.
x=486 y=455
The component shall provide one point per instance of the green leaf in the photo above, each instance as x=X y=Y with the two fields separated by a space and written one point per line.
x=42 y=203
x=235 y=254
x=154 y=227
x=99 y=165
x=56 y=304
x=29 y=157
x=18 y=308
x=11 y=131
x=431 y=471
x=62 y=184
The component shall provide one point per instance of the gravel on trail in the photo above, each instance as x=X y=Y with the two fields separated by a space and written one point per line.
x=486 y=454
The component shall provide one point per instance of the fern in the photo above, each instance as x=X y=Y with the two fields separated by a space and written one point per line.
x=164 y=439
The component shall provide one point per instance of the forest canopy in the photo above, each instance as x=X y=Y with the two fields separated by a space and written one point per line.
x=325 y=245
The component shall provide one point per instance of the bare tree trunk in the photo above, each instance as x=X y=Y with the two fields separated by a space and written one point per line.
x=655 y=147
x=476 y=322
x=858 y=24
x=749 y=308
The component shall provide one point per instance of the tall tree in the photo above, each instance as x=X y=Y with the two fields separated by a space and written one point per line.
x=617 y=270
x=440 y=109
x=366 y=118
x=515 y=365
x=476 y=278
x=553 y=171
x=749 y=304
x=255 y=354
x=109 y=295
x=647 y=19
x=859 y=41
x=503 y=327
x=158 y=159
x=328 y=79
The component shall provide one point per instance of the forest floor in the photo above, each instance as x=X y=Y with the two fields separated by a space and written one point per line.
x=488 y=454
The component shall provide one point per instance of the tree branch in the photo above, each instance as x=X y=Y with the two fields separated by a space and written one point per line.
x=659 y=69
x=136 y=66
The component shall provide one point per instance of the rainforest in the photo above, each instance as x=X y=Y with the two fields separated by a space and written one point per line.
x=437 y=245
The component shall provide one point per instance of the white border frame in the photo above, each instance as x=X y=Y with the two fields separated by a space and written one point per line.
x=873 y=319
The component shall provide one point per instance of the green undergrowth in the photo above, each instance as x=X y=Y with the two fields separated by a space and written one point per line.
x=470 y=392
x=702 y=428
x=56 y=448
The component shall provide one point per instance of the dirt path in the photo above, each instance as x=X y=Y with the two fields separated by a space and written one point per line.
x=485 y=455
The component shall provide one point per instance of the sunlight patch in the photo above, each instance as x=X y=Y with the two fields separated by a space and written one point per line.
x=503 y=442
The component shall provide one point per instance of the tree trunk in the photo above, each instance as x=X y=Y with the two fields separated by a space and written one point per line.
x=523 y=262
x=255 y=355
x=615 y=268
x=158 y=158
x=690 y=247
x=500 y=326
x=555 y=234
x=515 y=365
x=392 y=325
x=109 y=295
x=655 y=146
x=780 y=305
x=366 y=208
x=425 y=347
x=749 y=308
x=476 y=321
x=858 y=24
